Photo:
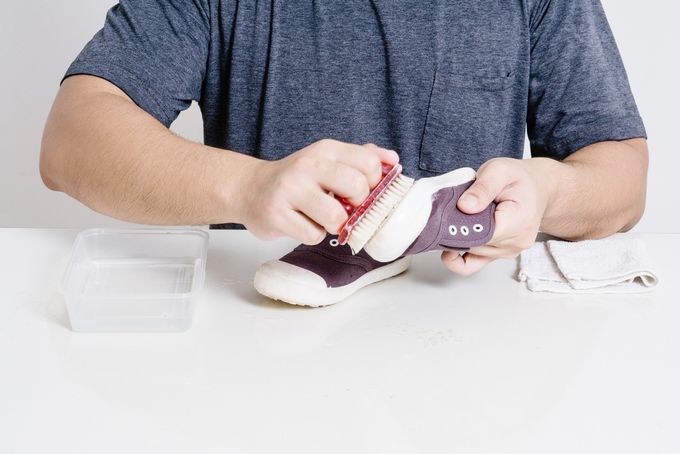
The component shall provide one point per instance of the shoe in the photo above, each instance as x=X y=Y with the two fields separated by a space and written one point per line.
x=428 y=219
x=322 y=274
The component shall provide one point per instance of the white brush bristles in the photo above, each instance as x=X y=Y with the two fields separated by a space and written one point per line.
x=381 y=208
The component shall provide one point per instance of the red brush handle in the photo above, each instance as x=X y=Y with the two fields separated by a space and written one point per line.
x=390 y=173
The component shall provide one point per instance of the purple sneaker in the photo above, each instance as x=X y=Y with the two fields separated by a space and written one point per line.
x=323 y=274
x=428 y=219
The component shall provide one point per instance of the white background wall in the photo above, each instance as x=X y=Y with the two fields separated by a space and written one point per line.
x=38 y=40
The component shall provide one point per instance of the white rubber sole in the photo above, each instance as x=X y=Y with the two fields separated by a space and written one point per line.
x=409 y=218
x=294 y=285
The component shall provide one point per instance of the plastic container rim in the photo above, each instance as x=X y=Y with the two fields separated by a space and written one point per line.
x=199 y=264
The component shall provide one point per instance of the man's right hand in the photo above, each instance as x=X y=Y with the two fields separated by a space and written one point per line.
x=294 y=196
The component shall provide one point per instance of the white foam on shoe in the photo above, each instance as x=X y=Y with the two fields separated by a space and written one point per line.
x=378 y=212
x=409 y=218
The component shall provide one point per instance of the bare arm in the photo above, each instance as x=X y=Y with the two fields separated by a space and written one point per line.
x=102 y=149
x=596 y=191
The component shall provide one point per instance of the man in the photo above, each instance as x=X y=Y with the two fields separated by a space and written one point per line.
x=295 y=88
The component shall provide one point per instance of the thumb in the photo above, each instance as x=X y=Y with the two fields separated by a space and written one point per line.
x=491 y=180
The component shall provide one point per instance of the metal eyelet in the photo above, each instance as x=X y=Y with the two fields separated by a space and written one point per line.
x=334 y=242
x=452 y=230
x=464 y=230
x=478 y=228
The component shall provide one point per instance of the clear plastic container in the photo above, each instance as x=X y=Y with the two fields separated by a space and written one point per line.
x=135 y=280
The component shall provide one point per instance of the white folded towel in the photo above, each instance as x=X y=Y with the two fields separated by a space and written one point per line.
x=617 y=264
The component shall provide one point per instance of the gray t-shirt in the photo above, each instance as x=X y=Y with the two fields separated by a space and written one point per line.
x=445 y=84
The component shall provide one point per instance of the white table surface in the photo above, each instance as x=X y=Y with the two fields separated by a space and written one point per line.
x=423 y=363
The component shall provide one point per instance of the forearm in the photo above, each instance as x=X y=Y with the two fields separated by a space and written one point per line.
x=102 y=149
x=595 y=192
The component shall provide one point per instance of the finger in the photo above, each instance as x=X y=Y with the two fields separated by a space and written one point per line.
x=364 y=159
x=320 y=208
x=492 y=178
x=302 y=229
x=386 y=156
x=343 y=181
x=496 y=252
x=466 y=264
x=506 y=221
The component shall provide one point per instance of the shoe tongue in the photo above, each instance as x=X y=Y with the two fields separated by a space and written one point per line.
x=330 y=244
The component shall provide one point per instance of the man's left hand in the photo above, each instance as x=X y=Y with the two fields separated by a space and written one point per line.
x=521 y=196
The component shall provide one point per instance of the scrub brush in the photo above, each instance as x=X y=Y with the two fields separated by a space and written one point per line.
x=365 y=219
x=403 y=216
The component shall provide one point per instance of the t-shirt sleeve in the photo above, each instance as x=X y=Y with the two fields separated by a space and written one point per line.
x=154 y=50
x=578 y=91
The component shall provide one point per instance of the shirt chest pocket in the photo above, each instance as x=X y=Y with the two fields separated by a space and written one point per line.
x=466 y=121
